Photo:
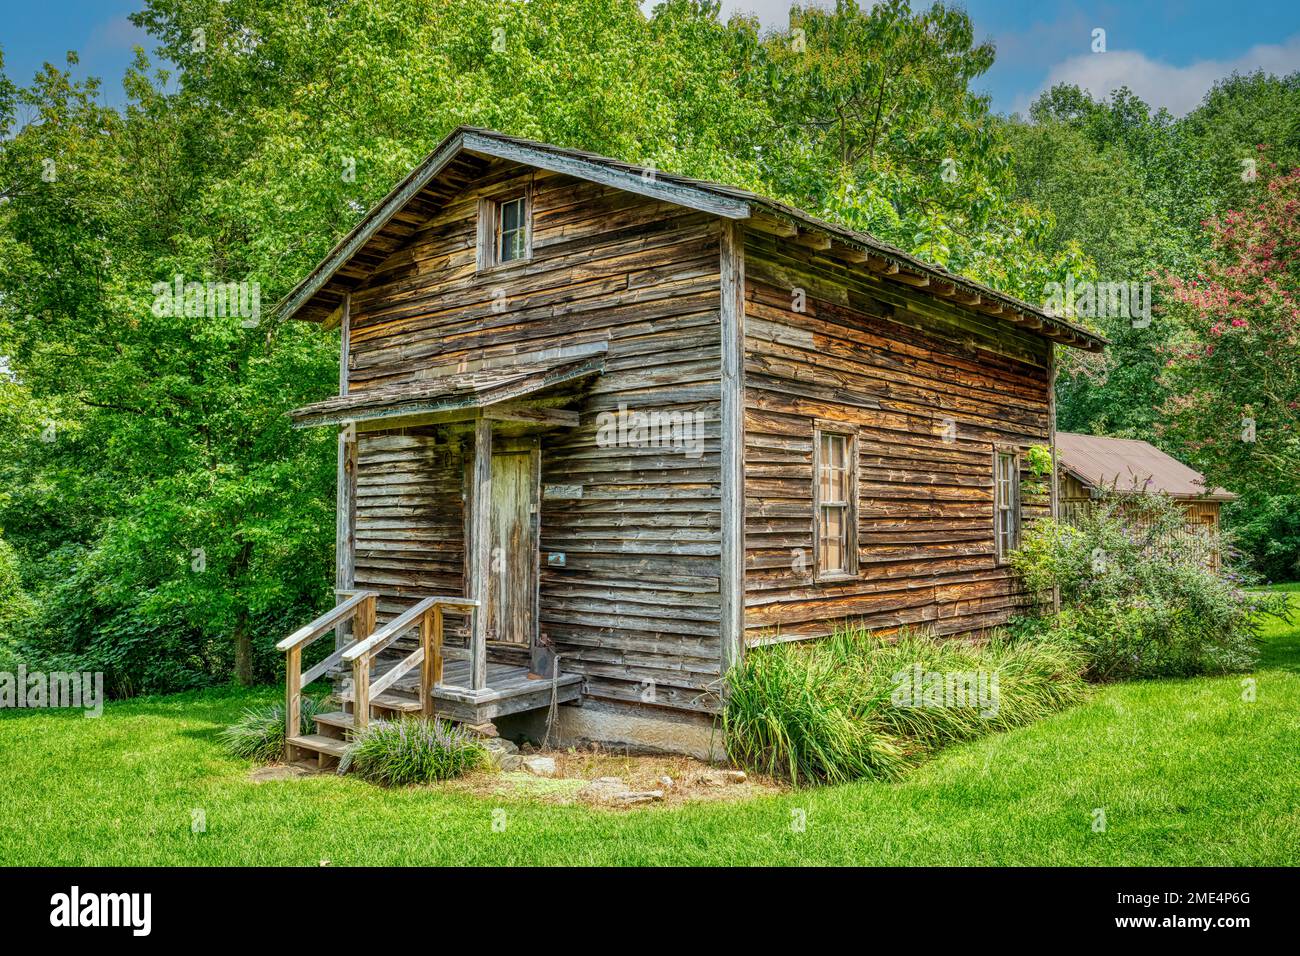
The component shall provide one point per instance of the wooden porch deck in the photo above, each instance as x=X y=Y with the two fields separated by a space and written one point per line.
x=509 y=691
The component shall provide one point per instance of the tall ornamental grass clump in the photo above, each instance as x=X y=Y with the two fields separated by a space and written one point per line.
x=413 y=750
x=856 y=706
x=1143 y=595
x=259 y=732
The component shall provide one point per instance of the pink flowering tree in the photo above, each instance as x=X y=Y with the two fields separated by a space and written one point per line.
x=1234 y=364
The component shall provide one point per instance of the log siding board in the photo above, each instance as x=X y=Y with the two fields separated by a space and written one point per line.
x=732 y=325
x=345 y=520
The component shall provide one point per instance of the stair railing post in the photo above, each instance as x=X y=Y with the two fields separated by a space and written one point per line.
x=362 y=628
x=361 y=692
x=427 y=639
x=292 y=697
x=364 y=625
x=437 y=644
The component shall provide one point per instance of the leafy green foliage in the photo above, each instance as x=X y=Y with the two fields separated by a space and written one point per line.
x=1266 y=530
x=413 y=750
x=1130 y=188
x=258 y=734
x=15 y=605
x=889 y=138
x=1139 y=592
x=830 y=711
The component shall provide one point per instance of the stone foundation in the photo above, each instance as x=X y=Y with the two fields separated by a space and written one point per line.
x=636 y=729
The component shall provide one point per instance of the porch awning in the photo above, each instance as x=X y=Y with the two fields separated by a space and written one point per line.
x=462 y=392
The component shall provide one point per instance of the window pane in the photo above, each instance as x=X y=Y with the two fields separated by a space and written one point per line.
x=834 y=534
x=512 y=230
x=1006 y=504
x=512 y=246
x=512 y=215
x=834 y=468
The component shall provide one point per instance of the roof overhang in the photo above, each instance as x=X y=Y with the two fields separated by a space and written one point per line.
x=458 y=397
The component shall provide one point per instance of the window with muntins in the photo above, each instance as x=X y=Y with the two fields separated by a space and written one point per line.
x=835 y=507
x=512 y=229
x=1006 y=517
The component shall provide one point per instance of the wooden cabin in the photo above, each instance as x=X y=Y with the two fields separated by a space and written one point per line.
x=614 y=426
x=1089 y=466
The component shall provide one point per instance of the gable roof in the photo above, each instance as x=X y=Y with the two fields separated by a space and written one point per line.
x=458 y=157
x=1131 y=465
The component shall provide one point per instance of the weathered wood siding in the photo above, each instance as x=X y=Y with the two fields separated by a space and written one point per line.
x=410 y=517
x=635 y=606
x=901 y=367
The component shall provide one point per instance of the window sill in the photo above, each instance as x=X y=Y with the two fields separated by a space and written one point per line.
x=502 y=268
x=834 y=577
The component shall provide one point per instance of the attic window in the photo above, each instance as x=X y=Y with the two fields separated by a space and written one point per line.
x=505 y=235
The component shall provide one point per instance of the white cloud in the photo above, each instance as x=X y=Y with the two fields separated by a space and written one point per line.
x=1177 y=88
x=771 y=13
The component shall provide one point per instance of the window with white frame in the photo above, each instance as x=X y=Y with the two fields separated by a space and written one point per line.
x=835 y=518
x=1006 y=502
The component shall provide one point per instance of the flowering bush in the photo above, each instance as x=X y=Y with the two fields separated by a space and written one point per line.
x=1142 y=593
x=1233 y=368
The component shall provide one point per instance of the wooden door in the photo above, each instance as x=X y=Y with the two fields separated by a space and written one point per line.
x=512 y=557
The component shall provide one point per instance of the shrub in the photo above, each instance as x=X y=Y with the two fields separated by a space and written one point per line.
x=259 y=733
x=857 y=706
x=413 y=750
x=1140 y=593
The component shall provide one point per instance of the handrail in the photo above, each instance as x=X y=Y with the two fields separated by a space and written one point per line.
x=427 y=656
x=327 y=621
x=400 y=625
x=360 y=609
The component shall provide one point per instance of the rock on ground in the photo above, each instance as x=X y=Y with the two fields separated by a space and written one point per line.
x=614 y=792
x=499 y=750
x=720 y=778
x=540 y=766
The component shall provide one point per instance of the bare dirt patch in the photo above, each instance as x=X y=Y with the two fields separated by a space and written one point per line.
x=620 y=781
x=279 y=771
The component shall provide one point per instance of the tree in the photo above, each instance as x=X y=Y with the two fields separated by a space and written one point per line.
x=892 y=140
x=1234 y=366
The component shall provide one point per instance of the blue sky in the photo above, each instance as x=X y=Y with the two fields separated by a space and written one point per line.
x=1168 y=51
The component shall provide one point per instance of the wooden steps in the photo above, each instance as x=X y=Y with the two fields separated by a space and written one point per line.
x=339 y=720
x=392 y=701
x=326 y=749
x=321 y=744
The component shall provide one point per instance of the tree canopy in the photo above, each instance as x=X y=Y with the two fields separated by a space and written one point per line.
x=160 y=519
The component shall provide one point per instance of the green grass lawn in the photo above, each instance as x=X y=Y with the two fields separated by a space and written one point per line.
x=1186 y=771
